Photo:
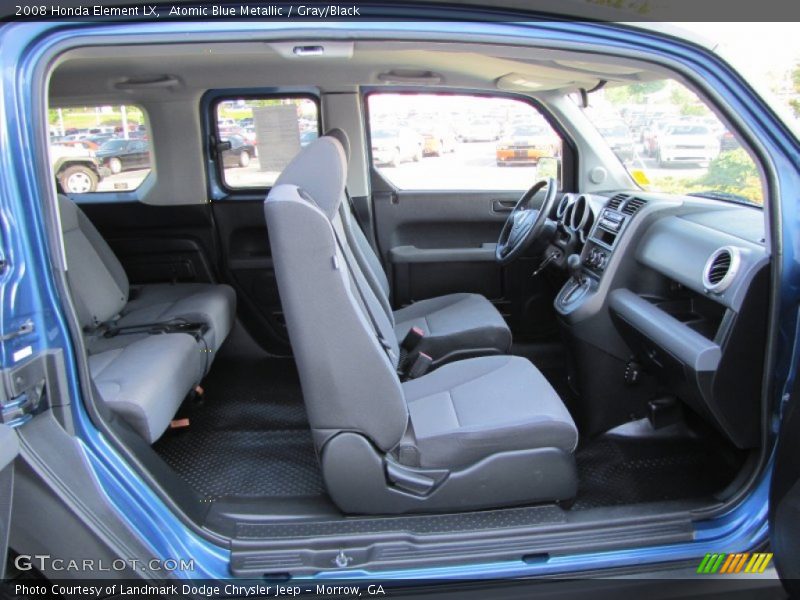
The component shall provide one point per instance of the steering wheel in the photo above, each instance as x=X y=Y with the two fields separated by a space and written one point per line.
x=525 y=224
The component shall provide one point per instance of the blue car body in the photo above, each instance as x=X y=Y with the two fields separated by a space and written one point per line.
x=29 y=294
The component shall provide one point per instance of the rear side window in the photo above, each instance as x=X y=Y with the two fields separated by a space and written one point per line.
x=264 y=135
x=429 y=141
x=99 y=148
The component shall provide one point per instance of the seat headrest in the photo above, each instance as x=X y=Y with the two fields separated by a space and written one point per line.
x=320 y=169
x=340 y=135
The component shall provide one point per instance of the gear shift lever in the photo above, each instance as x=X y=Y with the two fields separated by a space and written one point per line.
x=574 y=289
x=575 y=268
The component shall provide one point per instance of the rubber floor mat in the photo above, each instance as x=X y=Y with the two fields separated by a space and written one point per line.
x=248 y=437
x=619 y=471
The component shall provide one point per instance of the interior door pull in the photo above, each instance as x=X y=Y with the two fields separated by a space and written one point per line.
x=503 y=205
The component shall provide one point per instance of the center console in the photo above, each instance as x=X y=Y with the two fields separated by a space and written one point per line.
x=597 y=356
x=603 y=240
x=594 y=259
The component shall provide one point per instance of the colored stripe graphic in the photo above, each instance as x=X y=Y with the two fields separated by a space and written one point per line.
x=759 y=562
x=726 y=564
x=703 y=563
x=741 y=562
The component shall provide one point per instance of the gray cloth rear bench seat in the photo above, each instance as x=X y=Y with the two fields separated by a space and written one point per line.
x=106 y=298
x=146 y=381
x=144 y=378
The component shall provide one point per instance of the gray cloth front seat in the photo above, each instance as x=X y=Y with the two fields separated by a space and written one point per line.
x=455 y=325
x=143 y=378
x=483 y=432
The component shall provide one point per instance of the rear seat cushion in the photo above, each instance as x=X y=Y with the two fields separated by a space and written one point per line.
x=146 y=381
x=199 y=302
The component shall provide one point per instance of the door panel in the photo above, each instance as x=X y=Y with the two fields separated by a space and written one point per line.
x=439 y=243
x=246 y=262
x=159 y=243
x=438 y=215
x=443 y=242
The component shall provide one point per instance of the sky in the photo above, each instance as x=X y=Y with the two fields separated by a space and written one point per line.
x=756 y=47
x=765 y=53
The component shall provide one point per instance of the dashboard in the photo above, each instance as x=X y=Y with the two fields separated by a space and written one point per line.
x=670 y=300
x=575 y=214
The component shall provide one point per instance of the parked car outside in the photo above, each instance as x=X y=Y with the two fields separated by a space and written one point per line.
x=655 y=127
x=394 y=146
x=99 y=139
x=480 y=131
x=239 y=154
x=307 y=137
x=620 y=138
x=687 y=143
x=526 y=144
x=124 y=155
x=438 y=140
x=76 y=168
x=728 y=141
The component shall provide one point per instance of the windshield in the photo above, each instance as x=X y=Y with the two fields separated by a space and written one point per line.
x=670 y=141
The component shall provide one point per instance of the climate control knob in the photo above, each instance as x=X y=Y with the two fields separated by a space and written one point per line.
x=593 y=257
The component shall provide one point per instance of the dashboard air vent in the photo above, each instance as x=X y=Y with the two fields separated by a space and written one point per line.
x=617 y=201
x=721 y=268
x=633 y=205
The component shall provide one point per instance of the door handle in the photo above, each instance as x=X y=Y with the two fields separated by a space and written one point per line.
x=501 y=206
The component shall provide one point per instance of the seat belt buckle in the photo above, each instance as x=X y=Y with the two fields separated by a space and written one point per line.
x=412 y=340
x=421 y=365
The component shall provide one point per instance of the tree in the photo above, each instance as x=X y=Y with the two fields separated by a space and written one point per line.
x=734 y=172
x=687 y=102
x=795 y=102
x=634 y=93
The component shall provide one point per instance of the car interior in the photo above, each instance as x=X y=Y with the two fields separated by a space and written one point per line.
x=311 y=346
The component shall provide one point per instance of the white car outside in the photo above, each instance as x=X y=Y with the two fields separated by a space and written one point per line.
x=687 y=143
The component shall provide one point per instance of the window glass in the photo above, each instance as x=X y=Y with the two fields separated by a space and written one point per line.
x=264 y=135
x=448 y=141
x=670 y=141
x=99 y=148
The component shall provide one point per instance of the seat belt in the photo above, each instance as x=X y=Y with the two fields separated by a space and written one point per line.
x=387 y=347
x=354 y=212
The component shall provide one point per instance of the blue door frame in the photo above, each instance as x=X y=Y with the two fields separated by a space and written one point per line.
x=29 y=290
